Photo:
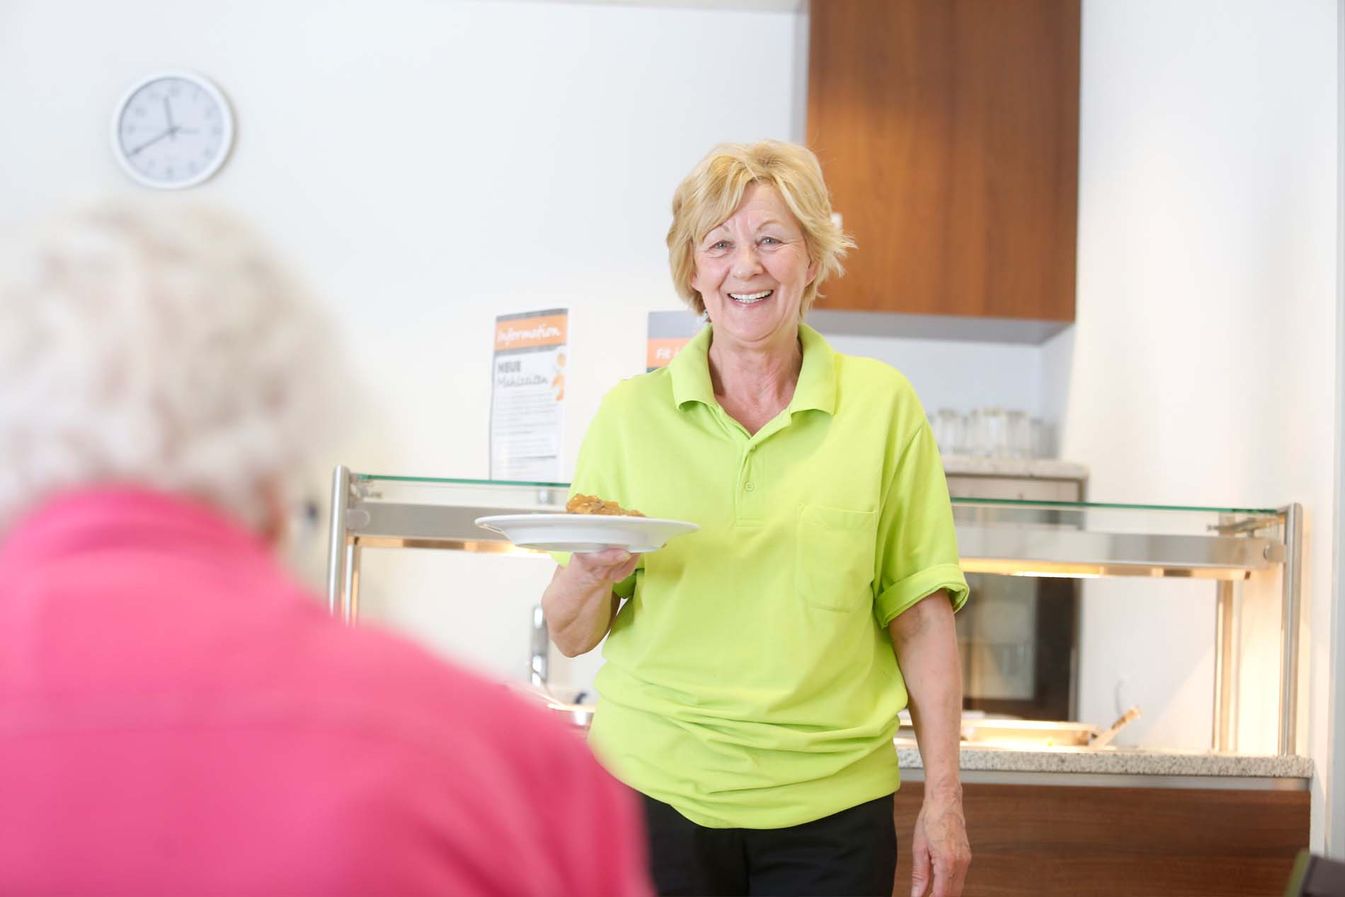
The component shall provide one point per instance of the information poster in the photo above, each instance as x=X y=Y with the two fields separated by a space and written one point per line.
x=669 y=331
x=528 y=395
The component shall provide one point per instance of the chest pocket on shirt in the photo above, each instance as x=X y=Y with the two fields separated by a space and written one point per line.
x=836 y=548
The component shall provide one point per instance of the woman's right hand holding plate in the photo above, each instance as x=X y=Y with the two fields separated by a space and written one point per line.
x=611 y=565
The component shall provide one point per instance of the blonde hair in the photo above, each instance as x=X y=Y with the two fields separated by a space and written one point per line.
x=710 y=194
x=157 y=344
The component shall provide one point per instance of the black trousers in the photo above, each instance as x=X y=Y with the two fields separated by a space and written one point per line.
x=852 y=853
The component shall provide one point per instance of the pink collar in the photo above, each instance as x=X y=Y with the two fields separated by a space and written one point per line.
x=75 y=522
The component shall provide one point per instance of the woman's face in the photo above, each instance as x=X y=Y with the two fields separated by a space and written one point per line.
x=752 y=269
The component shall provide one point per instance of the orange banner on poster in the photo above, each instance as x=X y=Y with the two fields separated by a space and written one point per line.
x=661 y=351
x=529 y=333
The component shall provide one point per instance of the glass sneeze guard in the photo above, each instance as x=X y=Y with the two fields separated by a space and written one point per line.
x=1001 y=536
x=1083 y=539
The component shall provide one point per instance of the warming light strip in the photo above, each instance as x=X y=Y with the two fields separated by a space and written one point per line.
x=1070 y=570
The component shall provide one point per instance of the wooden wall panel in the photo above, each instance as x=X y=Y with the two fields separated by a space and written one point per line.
x=1121 y=842
x=948 y=131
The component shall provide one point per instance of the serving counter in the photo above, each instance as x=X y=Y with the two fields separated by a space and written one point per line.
x=1083 y=822
x=1119 y=767
x=1074 y=822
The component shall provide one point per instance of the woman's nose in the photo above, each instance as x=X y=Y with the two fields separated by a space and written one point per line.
x=746 y=260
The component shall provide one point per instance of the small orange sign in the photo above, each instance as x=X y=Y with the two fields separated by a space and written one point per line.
x=661 y=351
x=530 y=332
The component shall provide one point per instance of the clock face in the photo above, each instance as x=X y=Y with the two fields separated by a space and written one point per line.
x=172 y=130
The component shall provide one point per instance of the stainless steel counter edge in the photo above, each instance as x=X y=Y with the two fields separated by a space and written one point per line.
x=1118 y=768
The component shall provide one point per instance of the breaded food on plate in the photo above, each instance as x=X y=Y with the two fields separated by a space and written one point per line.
x=592 y=504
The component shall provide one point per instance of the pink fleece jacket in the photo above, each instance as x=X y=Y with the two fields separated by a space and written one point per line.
x=178 y=717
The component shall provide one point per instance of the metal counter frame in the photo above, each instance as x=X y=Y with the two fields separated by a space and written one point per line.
x=1242 y=543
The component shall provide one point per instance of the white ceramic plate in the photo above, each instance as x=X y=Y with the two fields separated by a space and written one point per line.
x=585 y=532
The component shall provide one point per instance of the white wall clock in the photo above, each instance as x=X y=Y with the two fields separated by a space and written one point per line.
x=172 y=130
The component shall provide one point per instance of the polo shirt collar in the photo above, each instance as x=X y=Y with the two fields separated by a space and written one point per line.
x=816 y=389
x=690 y=371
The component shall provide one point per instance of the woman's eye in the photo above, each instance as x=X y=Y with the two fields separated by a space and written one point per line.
x=769 y=241
x=719 y=245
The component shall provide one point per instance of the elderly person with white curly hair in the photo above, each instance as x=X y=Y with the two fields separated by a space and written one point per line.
x=177 y=716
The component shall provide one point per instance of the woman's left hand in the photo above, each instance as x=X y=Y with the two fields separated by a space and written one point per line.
x=940 y=852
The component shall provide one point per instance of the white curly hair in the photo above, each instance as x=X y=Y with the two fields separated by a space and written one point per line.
x=157 y=344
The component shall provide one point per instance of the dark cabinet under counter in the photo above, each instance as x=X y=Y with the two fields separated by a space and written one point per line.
x=1127 y=822
x=1130 y=840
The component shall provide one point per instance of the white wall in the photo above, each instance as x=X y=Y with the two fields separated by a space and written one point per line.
x=1335 y=688
x=1204 y=354
x=429 y=164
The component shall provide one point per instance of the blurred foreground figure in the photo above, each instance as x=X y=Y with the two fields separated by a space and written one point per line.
x=177 y=716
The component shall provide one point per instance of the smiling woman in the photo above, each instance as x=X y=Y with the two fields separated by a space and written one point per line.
x=751 y=684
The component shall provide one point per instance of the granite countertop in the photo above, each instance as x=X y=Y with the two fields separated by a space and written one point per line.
x=1113 y=761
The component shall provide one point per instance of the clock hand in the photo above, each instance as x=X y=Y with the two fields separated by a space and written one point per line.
x=152 y=141
x=168 y=112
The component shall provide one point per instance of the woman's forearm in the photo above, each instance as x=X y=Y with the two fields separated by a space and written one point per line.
x=577 y=618
x=579 y=604
x=925 y=639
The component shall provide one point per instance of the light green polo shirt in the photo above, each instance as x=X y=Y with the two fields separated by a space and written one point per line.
x=750 y=680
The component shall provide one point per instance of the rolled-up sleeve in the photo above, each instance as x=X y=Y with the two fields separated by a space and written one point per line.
x=917 y=542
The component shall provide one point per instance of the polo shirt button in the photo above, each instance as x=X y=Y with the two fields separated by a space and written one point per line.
x=750 y=486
